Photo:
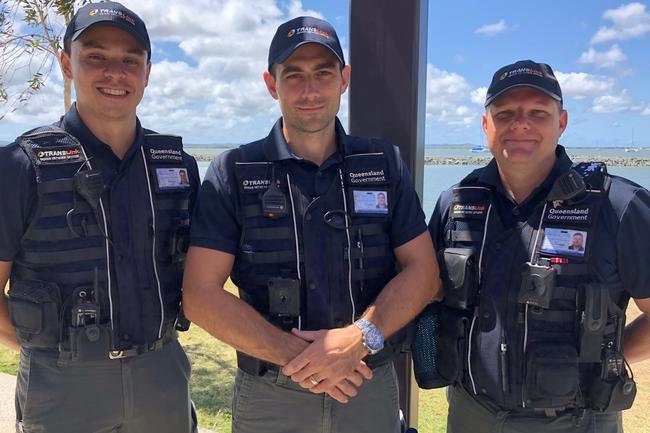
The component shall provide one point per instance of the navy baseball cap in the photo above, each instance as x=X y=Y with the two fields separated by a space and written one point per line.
x=112 y=13
x=524 y=73
x=300 y=31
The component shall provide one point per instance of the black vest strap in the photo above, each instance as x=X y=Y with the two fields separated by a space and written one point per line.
x=466 y=236
x=269 y=233
x=62 y=257
x=268 y=257
x=62 y=234
x=59 y=185
x=172 y=204
x=369 y=229
x=72 y=278
x=252 y=210
x=53 y=210
x=369 y=252
x=370 y=274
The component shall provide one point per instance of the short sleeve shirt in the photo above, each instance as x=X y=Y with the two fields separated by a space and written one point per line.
x=630 y=221
x=215 y=224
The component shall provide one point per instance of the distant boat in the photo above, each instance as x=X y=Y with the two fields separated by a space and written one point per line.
x=479 y=149
x=632 y=149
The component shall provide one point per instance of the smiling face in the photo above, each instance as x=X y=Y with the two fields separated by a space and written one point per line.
x=308 y=85
x=110 y=71
x=523 y=127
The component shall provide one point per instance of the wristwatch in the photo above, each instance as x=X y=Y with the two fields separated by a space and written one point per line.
x=373 y=339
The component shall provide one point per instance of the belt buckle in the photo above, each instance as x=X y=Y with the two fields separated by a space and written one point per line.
x=116 y=354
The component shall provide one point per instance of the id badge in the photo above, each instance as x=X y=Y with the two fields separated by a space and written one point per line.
x=367 y=202
x=172 y=179
x=565 y=242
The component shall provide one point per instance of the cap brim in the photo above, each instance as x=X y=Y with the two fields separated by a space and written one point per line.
x=286 y=53
x=532 y=86
x=120 y=26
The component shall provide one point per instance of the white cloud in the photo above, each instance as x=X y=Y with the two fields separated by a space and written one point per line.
x=580 y=85
x=615 y=103
x=447 y=93
x=603 y=59
x=646 y=112
x=628 y=22
x=493 y=29
x=478 y=96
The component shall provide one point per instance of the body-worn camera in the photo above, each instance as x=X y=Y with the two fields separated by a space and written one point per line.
x=284 y=301
x=537 y=285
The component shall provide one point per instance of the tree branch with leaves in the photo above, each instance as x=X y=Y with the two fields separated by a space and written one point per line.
x=31 y=33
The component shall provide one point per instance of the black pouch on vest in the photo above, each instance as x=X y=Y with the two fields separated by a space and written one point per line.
x=438 y=348
x=612 y=395
x=34 y=312
x=552 y=376
x=90 y=343
x=460 y=277
x=179 y=243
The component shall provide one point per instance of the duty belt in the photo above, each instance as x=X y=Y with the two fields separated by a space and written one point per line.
x=99 y=353
x=135 y=350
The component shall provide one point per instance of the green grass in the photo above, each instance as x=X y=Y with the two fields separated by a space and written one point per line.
x=213 y=373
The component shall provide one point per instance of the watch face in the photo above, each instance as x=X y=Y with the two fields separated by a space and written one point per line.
x=374 y=340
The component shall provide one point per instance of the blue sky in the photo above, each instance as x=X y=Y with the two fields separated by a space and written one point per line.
x=209 y=56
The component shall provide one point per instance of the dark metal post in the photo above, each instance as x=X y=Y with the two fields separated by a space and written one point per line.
x=388 y=45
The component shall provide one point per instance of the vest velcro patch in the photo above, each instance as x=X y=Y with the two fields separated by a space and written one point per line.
x=58 y=155
x=366 y=169
x=164 y=155
x=366 y=177
x=568 y=215
x=468 y=210
x=252 y=185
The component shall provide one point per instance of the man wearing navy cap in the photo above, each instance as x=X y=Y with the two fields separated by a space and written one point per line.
x=94 y=223
x=292 y=219
x=537 y=328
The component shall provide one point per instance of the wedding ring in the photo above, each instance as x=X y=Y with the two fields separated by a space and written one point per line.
x=313 y=380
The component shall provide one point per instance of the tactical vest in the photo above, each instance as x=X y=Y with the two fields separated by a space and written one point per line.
x=339 y=257
x=554 y=344
x=63 y=279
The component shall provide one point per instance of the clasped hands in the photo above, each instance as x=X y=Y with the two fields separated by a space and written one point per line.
x=332 y=363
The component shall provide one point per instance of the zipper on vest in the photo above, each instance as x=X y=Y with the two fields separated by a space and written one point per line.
x=503 y=355
x=295 y=235
x=153 y=248
x=349 y=250
x=106 y=242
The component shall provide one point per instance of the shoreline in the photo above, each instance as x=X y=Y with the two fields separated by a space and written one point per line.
x=482 y=160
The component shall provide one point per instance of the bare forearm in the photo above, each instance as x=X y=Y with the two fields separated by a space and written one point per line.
x=408 y=292
x=637 y=340
x=7 y=330
x=237 y=324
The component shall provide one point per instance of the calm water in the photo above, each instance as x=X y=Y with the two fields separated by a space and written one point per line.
x=438 y=178
x=458 y=151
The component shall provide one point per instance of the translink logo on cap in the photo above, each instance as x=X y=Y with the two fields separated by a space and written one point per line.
x=114 y=12
x=521 y=71
x=314 y=30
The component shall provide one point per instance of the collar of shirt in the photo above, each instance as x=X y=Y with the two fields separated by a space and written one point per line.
x=96 y=149
x=509 y=210
x=277 y=149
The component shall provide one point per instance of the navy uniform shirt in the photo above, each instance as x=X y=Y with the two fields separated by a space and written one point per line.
x=215 y=223
x=19 y=201
x=631 y=205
